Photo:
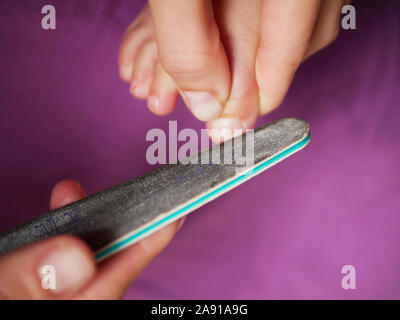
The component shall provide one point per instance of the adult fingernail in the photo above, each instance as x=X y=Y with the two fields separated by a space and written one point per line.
x=153 y=102
x=224 y=128
x=70 y=268
x=203 y=105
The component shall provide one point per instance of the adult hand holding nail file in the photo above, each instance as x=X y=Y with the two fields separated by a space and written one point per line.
x=122 y=215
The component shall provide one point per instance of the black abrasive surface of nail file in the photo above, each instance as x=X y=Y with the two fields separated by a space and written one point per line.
x=120 y=216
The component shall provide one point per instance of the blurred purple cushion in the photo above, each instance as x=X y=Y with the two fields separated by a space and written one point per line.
x=286 y=233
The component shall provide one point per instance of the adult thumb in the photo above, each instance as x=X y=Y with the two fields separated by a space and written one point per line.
x=191 y=52
x=50 y=269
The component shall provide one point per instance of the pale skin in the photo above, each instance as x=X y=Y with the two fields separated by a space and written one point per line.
x=231 y=61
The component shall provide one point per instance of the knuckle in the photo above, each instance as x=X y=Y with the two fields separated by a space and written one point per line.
x=191 y=59
x=176 y=63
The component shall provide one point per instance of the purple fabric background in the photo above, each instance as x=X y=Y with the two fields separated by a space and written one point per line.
x=285 y=234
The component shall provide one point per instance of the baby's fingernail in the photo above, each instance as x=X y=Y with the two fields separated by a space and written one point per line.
x=266 y=104
x=153 y=103
x=203 y=105
x=224 y=128
x=65 y=269
x=125 y=72
x=133 y=86
x=138 y=87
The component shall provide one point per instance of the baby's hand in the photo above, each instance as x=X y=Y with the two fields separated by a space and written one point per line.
x=231 y=60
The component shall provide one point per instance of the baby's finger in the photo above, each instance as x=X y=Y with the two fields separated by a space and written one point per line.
x=143 y=71
x=327 y=26
x=191 y=52
x=135 y=35
x=286 y=28
x=163 y=93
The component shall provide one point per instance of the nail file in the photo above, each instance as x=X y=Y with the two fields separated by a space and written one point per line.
x=120 y=216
